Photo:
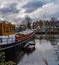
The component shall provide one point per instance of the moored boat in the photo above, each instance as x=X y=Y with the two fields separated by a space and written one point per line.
x=9 y=38
x=21 y=37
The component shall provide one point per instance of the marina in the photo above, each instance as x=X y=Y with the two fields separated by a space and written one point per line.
x=27 y=47
x=29 y=32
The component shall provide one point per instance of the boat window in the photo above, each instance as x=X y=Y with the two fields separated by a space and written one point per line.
x=0 y=31
x=4 y=28
x=10 y=28
x=7 y=29
x=0 y=40
x=13 y=28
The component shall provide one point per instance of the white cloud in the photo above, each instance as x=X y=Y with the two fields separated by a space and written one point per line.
x=21 y=3
x=47 y=10
x=11 y=16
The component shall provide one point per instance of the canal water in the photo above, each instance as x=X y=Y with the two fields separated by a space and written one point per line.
x=46 y=53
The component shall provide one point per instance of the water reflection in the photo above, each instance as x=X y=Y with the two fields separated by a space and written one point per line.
x=43 y=53
x=11 y=55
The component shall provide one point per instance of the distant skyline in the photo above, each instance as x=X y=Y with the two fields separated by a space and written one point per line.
x=15 y=10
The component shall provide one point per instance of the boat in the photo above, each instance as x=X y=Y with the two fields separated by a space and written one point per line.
x=21 y=36
x=30 y=45
x=10 y=39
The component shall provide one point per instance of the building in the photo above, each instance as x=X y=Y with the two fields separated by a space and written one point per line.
x=57 y=24
x=7 y=32
x=38 y=24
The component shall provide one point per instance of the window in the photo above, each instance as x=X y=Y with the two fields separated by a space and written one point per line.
x=13 y=28
x=4 y=28
x=10 y=28
x=7 y=29
x=0 y=40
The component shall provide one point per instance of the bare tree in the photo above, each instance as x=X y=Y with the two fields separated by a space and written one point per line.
x=28 y=19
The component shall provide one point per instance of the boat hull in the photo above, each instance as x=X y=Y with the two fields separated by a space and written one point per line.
x=21 y=43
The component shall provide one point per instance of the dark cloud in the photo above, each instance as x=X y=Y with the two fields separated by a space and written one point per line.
x=33 y=5
x=9 y=9
x=33 y=8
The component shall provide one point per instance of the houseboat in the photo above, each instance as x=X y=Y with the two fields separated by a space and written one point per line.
x=10 y=39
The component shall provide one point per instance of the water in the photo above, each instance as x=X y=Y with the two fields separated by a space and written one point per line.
x=44 y=54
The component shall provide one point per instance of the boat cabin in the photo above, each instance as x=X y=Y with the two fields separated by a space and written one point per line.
x=7 y=33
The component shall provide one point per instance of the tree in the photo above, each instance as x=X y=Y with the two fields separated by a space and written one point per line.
x=28 y=20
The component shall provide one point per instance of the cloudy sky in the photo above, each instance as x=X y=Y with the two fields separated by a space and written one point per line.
x=13 y=10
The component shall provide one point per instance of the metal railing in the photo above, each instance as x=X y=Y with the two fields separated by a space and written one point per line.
x=7 y=40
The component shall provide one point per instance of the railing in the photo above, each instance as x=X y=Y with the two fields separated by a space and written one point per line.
x=6 y=40
x=18 y=43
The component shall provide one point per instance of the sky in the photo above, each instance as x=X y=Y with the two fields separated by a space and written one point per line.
x=15 y=10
